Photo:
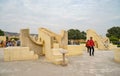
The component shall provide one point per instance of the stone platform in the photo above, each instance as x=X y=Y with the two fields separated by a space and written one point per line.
x=19 y=53
x=102 y=64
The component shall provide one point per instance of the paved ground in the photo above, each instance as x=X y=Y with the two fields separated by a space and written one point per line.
x=102 y=64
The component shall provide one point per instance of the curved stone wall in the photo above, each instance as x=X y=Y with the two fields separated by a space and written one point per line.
x=26 y=41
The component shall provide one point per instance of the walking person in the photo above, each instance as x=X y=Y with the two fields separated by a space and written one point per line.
x=88 y=45
x=91 y=51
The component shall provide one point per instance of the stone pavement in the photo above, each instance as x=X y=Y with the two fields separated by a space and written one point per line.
x=102 y=64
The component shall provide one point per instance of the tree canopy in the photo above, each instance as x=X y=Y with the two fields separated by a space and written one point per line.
x=76 y=34
x=113 y=34
x=1 y=33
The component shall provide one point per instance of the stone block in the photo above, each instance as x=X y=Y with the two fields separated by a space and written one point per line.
x=35 y=57
x=117 y=55
x=19 y=53
x=55 y=45
x=75 y=50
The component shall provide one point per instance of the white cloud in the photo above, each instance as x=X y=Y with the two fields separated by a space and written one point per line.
x=58 y=14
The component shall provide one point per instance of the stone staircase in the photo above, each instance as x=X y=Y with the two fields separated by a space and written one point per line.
x=57 y=56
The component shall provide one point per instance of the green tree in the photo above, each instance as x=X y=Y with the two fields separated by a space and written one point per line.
x=1 y=33
x=83 y=35
x=113 y=34
x=76 y=34
x=71 y=34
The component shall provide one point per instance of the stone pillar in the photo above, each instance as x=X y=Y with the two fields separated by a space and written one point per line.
x=24 y=34
x=64 y=39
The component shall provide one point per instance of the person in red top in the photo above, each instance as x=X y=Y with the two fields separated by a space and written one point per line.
x=91 y=46
x=88 y=45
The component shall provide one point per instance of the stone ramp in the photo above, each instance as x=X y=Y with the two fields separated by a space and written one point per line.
x=52 y=44
x=102 y=43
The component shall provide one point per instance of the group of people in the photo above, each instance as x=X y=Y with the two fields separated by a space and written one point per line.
x=8 y=43
x=90 y=46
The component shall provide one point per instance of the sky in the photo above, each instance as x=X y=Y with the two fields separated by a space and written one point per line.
x=57 y=15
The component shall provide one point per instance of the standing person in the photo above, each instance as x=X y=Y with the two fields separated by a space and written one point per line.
x=88 y=45
x=91 y=46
